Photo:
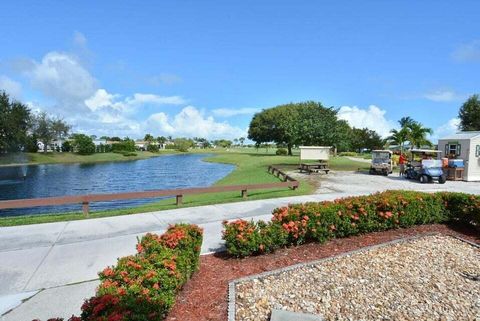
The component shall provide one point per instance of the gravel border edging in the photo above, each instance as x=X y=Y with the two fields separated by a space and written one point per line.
x=232 y=284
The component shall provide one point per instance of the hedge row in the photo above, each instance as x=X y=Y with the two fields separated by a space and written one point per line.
x=143 y=286
x=319 y=222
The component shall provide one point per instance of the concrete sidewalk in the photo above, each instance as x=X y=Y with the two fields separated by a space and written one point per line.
x=57 y=263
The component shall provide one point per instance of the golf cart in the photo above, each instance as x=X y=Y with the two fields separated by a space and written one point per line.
x=425 y=166
x=381 y=162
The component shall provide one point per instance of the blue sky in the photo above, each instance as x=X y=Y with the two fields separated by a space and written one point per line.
x=202 y=68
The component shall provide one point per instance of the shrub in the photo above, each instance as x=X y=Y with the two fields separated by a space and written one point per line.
x=143 y=286
x=319 y=222
x=128 y=154
x=352 y=154
x=127 y=145
x=83 y=144
x=281 y=151
x=153 y=148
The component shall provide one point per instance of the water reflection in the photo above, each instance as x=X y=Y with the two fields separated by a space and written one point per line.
x=165 y=172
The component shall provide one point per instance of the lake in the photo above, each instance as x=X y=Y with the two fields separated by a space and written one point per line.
x=163 y=172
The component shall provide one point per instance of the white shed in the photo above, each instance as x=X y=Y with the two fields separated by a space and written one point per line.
x=466 y=146
x=318 y=153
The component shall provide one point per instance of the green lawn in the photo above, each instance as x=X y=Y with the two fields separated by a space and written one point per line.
x=58 y=158
x=251 y=168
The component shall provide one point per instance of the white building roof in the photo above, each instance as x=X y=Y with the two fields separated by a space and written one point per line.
x=462 y=135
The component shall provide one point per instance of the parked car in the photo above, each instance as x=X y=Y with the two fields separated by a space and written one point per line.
x=425 y=166
x=381 y=162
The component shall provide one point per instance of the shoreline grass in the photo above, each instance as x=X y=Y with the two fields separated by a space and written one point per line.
x=251 y=168
x=22 y=159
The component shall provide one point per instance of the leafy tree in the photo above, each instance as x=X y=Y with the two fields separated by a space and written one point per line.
x=365 y=139
x=418 y=135
x=183 y=144
x=307 y=123
x=67 y=146
x=469 y=114
x=83 y=144
x=115 y=139
x=241 y=140
x=14 y=124
x=161 y=139
x=47 y=128
x=148 y=138
x=399 y=137
x=223 y=143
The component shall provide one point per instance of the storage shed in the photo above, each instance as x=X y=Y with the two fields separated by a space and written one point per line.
x=318 y=153
x=466 y=146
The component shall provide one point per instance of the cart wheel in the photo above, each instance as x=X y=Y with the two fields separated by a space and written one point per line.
x=371 y=171
x=424 y=179
x=442 y=179
x=385 y=172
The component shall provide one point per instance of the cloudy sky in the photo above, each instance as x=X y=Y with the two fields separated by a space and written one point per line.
x=203 y=68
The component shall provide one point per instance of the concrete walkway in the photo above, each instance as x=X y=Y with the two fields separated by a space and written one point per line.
x=56 y=264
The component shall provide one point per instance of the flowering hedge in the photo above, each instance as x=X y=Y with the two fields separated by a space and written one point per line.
x=300 y=223
x=143 y=286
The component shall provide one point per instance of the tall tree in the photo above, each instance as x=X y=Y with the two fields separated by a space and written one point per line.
x=307 y=123
x=241 y=140
x=366 y=139
x=418 y=135
x=469 y=114
x=47 y=128
x=14 y=124
x=148 y=138
x=399 y=137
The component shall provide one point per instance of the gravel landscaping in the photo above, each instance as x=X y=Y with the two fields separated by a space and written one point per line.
x=428 y=278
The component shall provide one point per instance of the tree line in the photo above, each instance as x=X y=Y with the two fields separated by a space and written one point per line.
x=311 y=123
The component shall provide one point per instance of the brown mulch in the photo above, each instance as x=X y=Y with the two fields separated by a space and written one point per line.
x=205 y=296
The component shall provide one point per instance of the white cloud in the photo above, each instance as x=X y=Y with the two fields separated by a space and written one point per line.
x=443 y=96
x=61 y=77
x=139 y=99
x=372 y=118
x=449 y=128
x=191 y=122
x=229 y=112
x=469 y=52
x=11 y=87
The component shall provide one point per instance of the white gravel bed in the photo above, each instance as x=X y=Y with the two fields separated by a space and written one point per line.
x=429 y=278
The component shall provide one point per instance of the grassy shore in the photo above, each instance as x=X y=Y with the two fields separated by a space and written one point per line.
x=66 y=158
x=251 y=168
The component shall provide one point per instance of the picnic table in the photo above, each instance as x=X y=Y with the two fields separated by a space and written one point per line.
x=321 y=166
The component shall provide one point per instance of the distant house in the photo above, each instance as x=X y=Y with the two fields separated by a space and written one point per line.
x=99 y=142
x=143 y=145
x=54 y=146
x=465 y=146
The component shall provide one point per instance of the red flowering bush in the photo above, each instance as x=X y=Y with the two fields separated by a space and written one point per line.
x=246 y=238
x=143 y=286
x=463 y=207
x=300 y=223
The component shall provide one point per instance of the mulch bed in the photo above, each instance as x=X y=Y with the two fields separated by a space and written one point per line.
x=205 y=296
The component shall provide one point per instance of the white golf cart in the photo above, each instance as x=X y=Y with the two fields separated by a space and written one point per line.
x=381 y=162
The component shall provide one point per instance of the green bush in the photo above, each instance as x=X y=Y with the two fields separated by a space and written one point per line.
x=127 y=145
x=83 y=144
x=281 y=151
x=143 y=286
x=128 y=154
x=153 y=148
x=352 y=154
x=319 y=222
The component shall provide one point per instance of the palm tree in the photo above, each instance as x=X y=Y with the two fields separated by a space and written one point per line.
x=399 y=137
x=418 y=135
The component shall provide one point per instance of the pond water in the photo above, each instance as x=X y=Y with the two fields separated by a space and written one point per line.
x=164 y=172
